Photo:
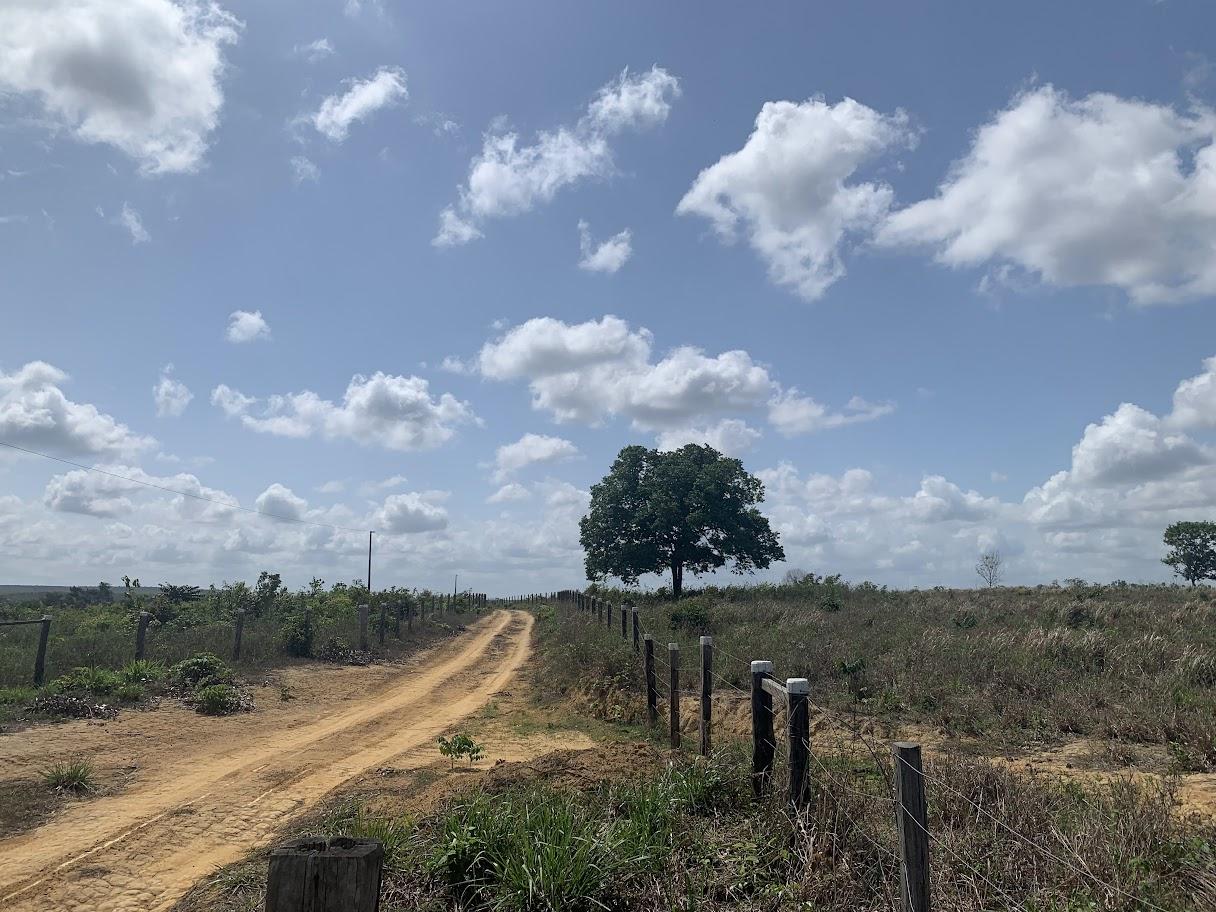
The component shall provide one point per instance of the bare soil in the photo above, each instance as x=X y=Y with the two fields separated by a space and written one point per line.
x=198 y=793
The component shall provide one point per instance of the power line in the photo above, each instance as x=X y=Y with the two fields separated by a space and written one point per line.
x=213 y=500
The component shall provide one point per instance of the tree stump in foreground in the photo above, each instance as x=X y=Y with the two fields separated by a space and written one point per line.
x=319 y=874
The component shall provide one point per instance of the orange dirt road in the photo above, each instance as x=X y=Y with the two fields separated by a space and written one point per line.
x=205 y=791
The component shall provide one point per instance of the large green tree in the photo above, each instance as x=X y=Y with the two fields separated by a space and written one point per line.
x=1192 y=551
x=689 y=509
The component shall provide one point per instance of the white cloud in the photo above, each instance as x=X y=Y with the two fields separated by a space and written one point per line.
x=247 y=326
x=1132 y=446
x=454 y=365
x=730 y=436
x=507 y=179
x=130 y=220
x=1195 y=400
x=334 y=486
x=361 y=100
x=372 y=487
x=530 y=449
x=142 y=76
x=791 y=413
x=509 y=492
x=116 y=493
x=608 y=256
x=279 y=500
x=35 y=413
x=398 y=413
x=314 y=51
x=788 y=189
x=1099 y=190
x=303 y=169
x=411 y=512
x=170 y=394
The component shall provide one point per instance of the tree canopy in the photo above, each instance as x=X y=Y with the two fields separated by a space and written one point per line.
x=689 y=509
x=1192 y=551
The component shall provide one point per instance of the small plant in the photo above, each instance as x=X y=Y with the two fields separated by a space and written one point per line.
x=16 y=696
x=74 y=776
x=130 y=693
x=219 y=700
x=460 y=746
x=98 y=681
x=141 y=671
x=201 y=670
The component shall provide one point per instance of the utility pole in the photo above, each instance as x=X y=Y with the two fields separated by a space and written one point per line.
x=455 y=581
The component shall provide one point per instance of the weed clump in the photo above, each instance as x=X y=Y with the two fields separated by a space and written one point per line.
x=220 y=700
x=74 y=776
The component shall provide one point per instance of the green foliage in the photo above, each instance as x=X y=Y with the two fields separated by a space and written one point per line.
x=130 y=693
x=99 y=682
x=75 y=776
x=142 y=671
x=296 y=636
x=1192 y=552
x=201 y=670
x=219 y=700
x=691 y=508
x=395 y=834
x=691 y=616
x=16 y=696
x=460 y=746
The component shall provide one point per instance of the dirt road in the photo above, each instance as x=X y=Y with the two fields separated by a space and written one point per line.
x=201 y=792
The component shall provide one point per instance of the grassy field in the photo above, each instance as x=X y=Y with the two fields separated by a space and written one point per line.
x=1015 y=667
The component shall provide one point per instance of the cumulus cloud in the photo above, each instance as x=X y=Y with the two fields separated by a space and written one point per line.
x=411 y=512
x=730 y=436
x=115 y=493
x=528 y=450
x=509 y=492
x=361 y=100
x=279 y=500
x=589 y=372
x=792 y=413
x=791 y=189
x=170 y=394
x=1099 y=190
x=142 y=76
x=395 y=412
x=508 y=178
x=247 y=326
x=35 y=413
x=608 y=256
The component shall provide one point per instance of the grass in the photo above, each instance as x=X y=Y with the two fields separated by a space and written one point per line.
x=74 y=776
x=1015 y=666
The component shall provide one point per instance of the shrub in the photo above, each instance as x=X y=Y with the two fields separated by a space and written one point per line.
x=460 y=746
x=692 y=617
x=201 y=670
x=296 y=636
x=75 y=776
x=16 y=696
x=130 y=693
x=220 y=700
x=141 y=671
x=97 y=681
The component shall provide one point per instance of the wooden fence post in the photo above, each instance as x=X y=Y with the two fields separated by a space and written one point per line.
x=652 y=684
x=637 y=631
x=141 y=634
x=673 y=693
x=600 y=610
x=763 y=743
x=325 y=875
x=238 y=634
x=798 y=717
x=363 y=610
x=609 y=616
x=707 y=664
x=44 y=634
x=913 y=822
x=624 y=623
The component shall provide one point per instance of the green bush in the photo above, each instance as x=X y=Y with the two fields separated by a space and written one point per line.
x=460 y=746
x=201 y=670
x=97 y=681
x=219 y=700
x=74 y=776
x=130 y=693
x=296 y=636
x=141 y=671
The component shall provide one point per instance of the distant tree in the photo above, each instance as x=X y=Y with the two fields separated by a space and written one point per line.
x=690 y=508
x=105 y=592
x=796 y=575
x=179 y=595
x=991 y=568
x=1192 y=552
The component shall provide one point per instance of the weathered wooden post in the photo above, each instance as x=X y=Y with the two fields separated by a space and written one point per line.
x=315 y=874
x=141 y=634
x=673 y=694
x=363 y=610
x=624 y=623
x=913 y=820
x=238 y=634
x=600 y=612
x=609 y=616
x=652 y=684
x=44 y=634
x=763 y=743
x=707 y=664
x=637 y=630
x=798 y=716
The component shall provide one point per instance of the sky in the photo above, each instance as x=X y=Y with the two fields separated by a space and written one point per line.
x=940 y=274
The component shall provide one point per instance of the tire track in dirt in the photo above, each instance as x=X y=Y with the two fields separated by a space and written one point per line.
x=142 y=849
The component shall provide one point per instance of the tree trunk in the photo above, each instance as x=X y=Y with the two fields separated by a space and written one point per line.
x=677 y=580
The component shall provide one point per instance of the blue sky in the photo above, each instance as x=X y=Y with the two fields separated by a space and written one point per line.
x=943 y=276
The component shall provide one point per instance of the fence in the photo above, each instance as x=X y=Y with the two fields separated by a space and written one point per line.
x=770 y=699
x=392 y=616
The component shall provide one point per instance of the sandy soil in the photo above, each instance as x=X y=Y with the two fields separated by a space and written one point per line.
x=200 y=792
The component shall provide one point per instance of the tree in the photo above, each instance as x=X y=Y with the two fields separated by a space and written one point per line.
x=690 y=508
x=1192 y=551
x=991 y=567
